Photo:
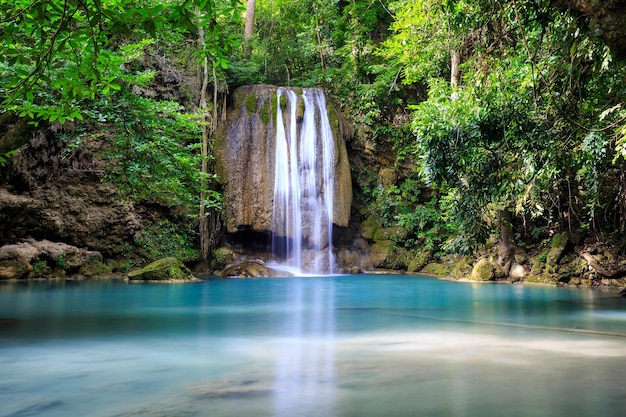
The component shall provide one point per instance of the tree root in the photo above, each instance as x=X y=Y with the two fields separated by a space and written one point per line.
x=593 y=263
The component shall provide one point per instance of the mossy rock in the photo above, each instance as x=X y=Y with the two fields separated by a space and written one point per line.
x=418 y=260
x=394 y=233
x=222 y=256
x=94 y=267
x=251 y=269
x=380 y=252
x=166 y=269
x=483 y=271
x=12 y=269
x=438 y=269
x=462 y=268
x=370 y=227
x=540 y=279
x=558 y=245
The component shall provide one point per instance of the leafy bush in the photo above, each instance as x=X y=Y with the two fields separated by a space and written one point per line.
x=167 y=239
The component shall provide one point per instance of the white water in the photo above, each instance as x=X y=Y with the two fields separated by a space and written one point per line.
x=303 y=183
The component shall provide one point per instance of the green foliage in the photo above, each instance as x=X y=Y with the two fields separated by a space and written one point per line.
x=5 y=158
x=154 y=147
x=166 y=239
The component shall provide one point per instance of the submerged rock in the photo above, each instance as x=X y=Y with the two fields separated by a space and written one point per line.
x=166 y=269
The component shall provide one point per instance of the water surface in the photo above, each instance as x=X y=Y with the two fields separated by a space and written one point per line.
x=313 y=346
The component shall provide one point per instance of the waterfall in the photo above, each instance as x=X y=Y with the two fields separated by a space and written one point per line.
x=302 y=216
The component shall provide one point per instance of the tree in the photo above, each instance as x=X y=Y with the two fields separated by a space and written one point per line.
x=76 y=60
x=531 y=85
x=249 y=28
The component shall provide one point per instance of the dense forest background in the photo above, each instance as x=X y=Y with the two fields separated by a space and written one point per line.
x=488 y=122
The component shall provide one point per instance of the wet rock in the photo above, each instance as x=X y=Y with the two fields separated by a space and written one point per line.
x=251 y=269
x=245 y=160
x=166 y=269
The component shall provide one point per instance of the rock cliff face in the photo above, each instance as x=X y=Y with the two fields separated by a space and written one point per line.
x=245 y=150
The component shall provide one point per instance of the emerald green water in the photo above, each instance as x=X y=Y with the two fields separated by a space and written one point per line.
x=363 y=345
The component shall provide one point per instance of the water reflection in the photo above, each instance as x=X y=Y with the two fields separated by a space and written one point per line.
x=304 y=381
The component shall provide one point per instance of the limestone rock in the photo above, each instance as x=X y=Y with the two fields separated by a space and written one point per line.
x=166 y=269
x=245 y=162
x=12 y=269
x=557 y=248
x=483 y=271
x=42 y=257
x=517 y=272
x=251 y=269
x=380 y=252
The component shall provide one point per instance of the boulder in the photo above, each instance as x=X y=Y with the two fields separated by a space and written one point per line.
x=517 y=272
x=166 y=269
x=558 y=247
x=44 y=257
x=12 y=269
x=380 y=252
x=483 y=271
x=251 y=269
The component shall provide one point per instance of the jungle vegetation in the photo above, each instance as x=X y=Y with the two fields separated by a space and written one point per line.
x=512 y=113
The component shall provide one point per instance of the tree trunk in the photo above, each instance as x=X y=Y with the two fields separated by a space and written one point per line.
x=607 y=20
x=455 y=73
x=209 y=219
x=320 y=44
x=203 y=224
x=506 y=252
x=249 y=28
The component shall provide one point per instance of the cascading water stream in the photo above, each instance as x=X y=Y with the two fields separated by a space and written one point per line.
x=303 y=184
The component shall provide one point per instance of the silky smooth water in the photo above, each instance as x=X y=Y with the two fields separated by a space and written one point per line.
x=313 y=346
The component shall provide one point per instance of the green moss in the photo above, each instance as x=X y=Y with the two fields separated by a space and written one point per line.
x=251 y=104
x=483 y=271
x=93 y=267
x=283 y=102
x=370 y=227
x=265 y=114
x=222 y=257
x=462 y=268
x=438 y=269
x=166 y=269
x=418 y=260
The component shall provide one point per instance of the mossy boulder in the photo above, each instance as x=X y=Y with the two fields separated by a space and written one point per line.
x=380 y=252
x=462 y=268
x=437 y=269
x=418 y=260
x=370 y=227
x=558 y=246
x=166 y=269
x=223 y=256
x=483 y=271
